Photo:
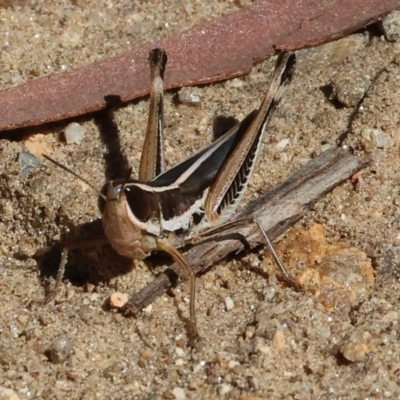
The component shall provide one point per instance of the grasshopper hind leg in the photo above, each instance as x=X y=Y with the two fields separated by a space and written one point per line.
x=190 y=275
x=229 y=228
x=286 y=275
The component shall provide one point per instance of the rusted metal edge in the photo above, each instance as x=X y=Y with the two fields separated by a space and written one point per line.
x=218 y=50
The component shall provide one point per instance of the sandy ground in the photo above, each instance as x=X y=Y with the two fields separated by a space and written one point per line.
x=271 y=341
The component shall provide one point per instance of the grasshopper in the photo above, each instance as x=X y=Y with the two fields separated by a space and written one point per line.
x=167 y=210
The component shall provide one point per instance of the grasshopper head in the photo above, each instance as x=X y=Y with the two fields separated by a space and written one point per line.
x=125 y=214
x=123 y=234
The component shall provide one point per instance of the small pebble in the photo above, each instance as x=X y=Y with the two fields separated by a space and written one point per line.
x=282 y=144
x=208 y=285
x=279 y=340
x=189 y=95
x=229 y=304
x=264 y=349
x=89 y=287
x=179 y=393
x=359 y=344
x=28 y=162
x=115 y=369
x=390 y=317
x=179 y=351
x=85 y=313
x=74 y=133
x=7 y=394
x=250 y=332
x=375 y=138
x=391 y=26
x=253 y=385
x=350 y=89
x=197 y=367
x=224 y=389
x=148 y=309
x=380 y=139
x=64 y=385
x=233 y=363
x=118 y=300
x=70 y=294
x=60 y=349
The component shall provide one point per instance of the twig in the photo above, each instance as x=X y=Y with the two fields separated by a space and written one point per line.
x=277 y=210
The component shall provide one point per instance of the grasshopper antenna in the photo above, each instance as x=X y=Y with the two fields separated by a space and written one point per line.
x=72 y=173
x=126 y=179
x=128 y=175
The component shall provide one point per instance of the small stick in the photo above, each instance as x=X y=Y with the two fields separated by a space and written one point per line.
x=276 y=211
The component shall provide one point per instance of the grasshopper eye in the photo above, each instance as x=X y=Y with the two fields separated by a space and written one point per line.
x=111 y=191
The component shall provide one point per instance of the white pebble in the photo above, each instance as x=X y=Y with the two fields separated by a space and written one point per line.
x=380 y=139
x=148 y=309
x=179 y=393
x=282 y=144
x=229 y=304
x=389 y=317
x=179 y=351
x=224 y=389
x=8 y=394
x=391 y=26
x=74 y=133
x=233 y=363
x=189 y=95
x=197 y=368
